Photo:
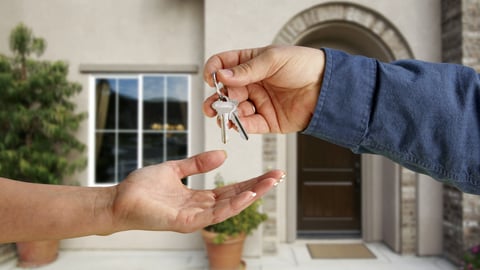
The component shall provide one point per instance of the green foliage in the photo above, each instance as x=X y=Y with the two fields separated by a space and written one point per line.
x=472 y=259
x=37 y=117
x=23 y=43
x=246 y=221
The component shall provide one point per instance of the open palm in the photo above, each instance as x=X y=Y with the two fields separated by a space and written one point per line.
x=154 y=198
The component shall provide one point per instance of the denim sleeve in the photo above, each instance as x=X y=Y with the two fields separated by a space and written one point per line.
x=424 y=116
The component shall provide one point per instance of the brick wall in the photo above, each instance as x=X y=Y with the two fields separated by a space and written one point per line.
x=460 y=44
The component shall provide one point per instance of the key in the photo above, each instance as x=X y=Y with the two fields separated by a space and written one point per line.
x=227 y=111
x=236 y=121
x=224 y=108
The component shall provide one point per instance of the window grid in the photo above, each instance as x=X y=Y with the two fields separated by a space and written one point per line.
x=140 y=129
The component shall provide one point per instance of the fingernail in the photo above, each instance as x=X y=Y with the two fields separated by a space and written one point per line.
x=282 y=178
x=275 y=184
x=254 y=194
x=226 y=73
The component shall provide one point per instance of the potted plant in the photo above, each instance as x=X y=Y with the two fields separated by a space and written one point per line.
x=224 y=241
x=37 y=122
x=471 y=259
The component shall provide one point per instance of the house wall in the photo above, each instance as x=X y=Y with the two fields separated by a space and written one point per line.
x=115 y=33
x=146 y=32
x=164 y=32
x=243 y=24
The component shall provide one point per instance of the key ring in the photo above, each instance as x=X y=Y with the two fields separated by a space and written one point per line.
x=218 y=87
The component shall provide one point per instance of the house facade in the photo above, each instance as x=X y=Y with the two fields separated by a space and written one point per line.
x=140 y=64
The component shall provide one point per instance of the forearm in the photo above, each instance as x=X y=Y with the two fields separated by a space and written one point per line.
x=423 y=115
x=40 y=212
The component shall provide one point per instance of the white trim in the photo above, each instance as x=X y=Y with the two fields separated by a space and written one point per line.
x=140 y=122
x=92 y=113
x=291 y=201
x=117 y=94
x=189 y=123
x=165 y=114
x=91 y=131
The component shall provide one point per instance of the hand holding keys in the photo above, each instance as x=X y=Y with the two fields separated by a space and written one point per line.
x=227 y=111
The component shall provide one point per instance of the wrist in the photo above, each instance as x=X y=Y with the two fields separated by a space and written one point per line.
x=316 y=74
x=103 y=212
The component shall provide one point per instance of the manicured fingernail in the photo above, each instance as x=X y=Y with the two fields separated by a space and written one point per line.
x=282 y=178
x=226 y=73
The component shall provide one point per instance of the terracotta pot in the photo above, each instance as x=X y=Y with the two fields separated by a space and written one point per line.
x=37 y=253
x=227 y=255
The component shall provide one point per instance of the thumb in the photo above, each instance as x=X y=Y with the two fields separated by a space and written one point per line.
x=254 y=70
x=200 y=163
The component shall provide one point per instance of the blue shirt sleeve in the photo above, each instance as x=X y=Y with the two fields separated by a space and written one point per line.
x=425 y=116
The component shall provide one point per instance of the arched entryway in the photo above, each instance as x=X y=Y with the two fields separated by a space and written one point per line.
x=345 y=181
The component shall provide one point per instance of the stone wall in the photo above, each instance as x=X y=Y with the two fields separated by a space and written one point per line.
x=460 y=39
x=270 y=231
x=452 y=224
x=408 y=211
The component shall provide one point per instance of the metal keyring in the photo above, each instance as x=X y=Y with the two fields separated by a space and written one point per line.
x=218 y=87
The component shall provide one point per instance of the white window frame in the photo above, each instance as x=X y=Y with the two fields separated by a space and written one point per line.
x=92 y=117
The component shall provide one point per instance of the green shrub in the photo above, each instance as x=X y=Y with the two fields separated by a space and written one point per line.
x=37 y=117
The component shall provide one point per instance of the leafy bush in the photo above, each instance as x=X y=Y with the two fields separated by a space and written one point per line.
x=245 y=222
x=37 y=118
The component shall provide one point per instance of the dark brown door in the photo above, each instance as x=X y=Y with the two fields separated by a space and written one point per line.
x=328 y=188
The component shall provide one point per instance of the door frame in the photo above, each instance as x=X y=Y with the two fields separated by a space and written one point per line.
x=372 y=195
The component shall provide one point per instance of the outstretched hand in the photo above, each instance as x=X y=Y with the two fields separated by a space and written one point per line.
x=277 y=87
x=154 y=198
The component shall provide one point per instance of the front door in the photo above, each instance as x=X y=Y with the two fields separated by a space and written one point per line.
x=329 y=177
x=328 y=188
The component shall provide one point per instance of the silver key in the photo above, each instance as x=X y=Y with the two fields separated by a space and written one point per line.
x=224 y=109
x=236 y=121
x=227 y=111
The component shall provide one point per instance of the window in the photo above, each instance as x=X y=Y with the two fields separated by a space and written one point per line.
x=139 y=120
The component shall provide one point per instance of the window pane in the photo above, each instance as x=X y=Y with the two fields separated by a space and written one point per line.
x=105 y=158
x=164 y=133
x=127 y=154
x=176 y=146
x=177 y=102
x=153 y=148
x=127 y=103
x=106 y=103
x=153 y=102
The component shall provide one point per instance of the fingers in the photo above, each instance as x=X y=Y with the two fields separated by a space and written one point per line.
x=200 y=163
x=233 y=206
x=260 y=185
x=245 y=194
x=244 y=108
x=207 y=106
x=228 y=201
